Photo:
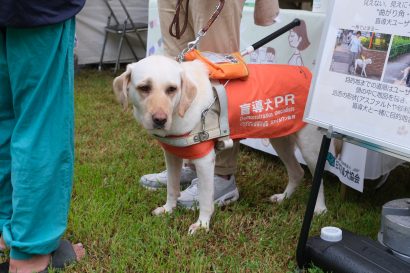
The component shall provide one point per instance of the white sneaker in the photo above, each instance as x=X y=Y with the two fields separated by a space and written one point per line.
x=156 y=181
x=225 y=192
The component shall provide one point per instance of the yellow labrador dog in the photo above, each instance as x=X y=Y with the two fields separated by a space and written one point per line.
x=168 y=98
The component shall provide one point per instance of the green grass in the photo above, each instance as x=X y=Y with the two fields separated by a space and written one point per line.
x=111 y=213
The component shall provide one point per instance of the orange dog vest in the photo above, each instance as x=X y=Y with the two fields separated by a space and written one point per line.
x=269 y=104
x=220 y=66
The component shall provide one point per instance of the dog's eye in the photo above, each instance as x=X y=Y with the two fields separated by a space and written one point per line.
x=170 y=90
x=144 y=88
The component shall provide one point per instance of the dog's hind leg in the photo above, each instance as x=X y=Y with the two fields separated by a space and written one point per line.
x=174 y=165
x=308 y=142
x=285 y=148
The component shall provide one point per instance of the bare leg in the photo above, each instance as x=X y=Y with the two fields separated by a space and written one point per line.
x=40 y=262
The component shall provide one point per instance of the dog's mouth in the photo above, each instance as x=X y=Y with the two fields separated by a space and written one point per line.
x=158 y=126
x=159 y=120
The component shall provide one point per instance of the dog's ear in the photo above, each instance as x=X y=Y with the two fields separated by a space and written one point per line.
x=120 y=86
x=188 y=90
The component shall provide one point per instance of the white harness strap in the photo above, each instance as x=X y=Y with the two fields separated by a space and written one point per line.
x=214 y=123
x=223 y=108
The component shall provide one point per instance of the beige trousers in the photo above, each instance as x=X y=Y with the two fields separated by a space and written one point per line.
x=222 y=37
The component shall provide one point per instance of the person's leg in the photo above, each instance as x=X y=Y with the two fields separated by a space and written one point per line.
x=226 y=161
x=353 y=59
x=172 y=45
x=172 y=48
x=6 y=127
x=223 y=35
x=225 y=190
x=40 y=62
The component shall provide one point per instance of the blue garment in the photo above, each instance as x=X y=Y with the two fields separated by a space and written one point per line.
x=33 y=13
x=355 y=45
x=36 y=136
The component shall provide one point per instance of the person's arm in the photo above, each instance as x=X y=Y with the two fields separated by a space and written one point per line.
x=265 y=12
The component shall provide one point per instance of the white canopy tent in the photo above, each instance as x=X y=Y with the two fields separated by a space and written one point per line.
x=90 y=32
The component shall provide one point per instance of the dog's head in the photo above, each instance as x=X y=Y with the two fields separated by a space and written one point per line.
x=368 y=61
x=160 y=89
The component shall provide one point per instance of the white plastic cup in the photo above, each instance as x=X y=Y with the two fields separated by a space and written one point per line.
x=331 y=234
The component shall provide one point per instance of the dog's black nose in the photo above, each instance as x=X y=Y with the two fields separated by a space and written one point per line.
x=159 y=120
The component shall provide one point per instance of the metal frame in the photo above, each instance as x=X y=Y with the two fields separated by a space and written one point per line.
x=121 y=29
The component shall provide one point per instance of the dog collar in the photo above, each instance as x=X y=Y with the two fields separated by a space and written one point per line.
x=214 y=122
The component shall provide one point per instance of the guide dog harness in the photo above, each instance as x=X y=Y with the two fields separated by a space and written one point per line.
x=270 y=103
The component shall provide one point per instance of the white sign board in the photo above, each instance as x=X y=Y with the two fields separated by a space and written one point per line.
x=320 y=5
x=355 y=163
x=361 y=85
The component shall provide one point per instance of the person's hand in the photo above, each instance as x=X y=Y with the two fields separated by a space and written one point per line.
x=265 y=12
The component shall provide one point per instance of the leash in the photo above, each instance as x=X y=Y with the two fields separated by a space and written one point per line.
x=175 y=21
x=193 y=44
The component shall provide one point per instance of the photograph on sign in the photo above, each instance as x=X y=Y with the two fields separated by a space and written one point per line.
x=398 y=65
x=360 y=86
x=359 y=53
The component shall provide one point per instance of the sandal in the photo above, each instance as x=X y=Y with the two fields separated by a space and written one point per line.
x=64 y=255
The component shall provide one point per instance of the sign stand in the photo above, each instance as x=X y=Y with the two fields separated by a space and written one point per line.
x=370 y=110
x=317 y=178
x=352 y=254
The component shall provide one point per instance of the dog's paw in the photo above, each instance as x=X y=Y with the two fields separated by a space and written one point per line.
x=160 y=210
x=277 y=198
x=197 y=226
x=320 y=210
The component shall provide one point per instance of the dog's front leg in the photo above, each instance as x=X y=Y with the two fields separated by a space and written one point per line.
x=174 y=165
x=205 y=170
